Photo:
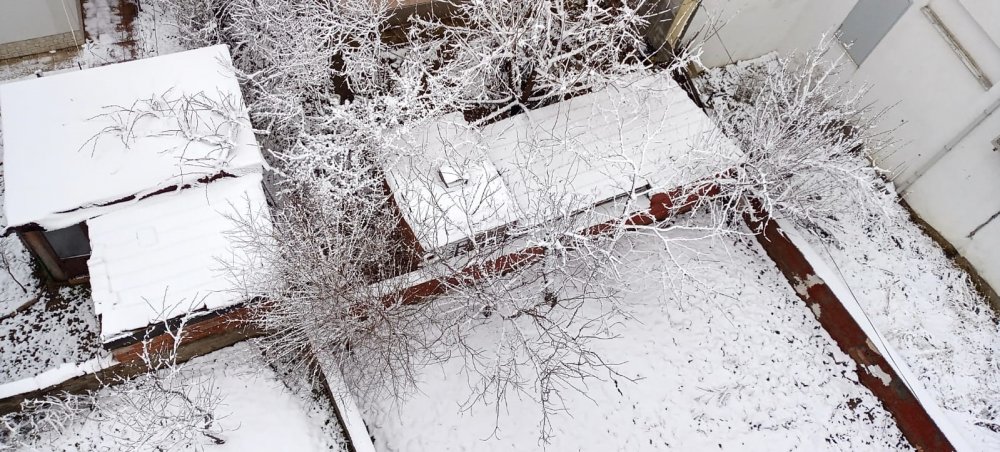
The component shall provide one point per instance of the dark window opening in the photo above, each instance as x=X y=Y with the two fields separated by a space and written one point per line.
x=69 y=242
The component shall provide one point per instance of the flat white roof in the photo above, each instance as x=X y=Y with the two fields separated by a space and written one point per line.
x=438 y=214
x=643 y=134
x=172 y=253
x=602 y=145
x=58 y=164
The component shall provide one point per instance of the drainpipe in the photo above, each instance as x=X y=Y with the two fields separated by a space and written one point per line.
x=69 y=22
x=986 y=113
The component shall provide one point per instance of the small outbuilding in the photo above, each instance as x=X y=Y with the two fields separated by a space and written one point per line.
x=133 y=176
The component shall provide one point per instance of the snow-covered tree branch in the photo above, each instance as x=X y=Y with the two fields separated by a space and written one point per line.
x=166 y=408
x=494 y=58
x=806 y=137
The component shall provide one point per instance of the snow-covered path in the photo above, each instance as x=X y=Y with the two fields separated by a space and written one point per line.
x=733 y=361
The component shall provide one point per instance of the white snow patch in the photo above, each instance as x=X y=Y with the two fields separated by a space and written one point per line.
x=816 y=309
x=877 y=372
x=802 y=286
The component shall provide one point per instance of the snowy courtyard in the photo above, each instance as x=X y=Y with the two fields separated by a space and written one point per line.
x=724 y=357
x=259 y=225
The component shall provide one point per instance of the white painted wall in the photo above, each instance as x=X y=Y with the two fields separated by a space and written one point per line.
x=735 y=30
x=935 y=100
x=27 y=19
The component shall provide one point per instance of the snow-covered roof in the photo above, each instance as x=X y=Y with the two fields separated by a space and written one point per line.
x=645 y=134
x=172 y=253
x=438 y=212
x=70 y=144
x=601 y=145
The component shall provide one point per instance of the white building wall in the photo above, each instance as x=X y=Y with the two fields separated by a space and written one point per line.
x=945 y=165
x=734 y=30
x=27 y=19
x=33 y=26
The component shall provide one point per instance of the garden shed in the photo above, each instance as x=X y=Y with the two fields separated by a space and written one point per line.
x=138 y=165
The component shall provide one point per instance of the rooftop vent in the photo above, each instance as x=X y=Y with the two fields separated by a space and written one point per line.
x=452 y=177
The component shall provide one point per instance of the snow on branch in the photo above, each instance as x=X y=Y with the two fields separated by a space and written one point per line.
x=167 y=408
x=197 y=129
x=807 y=136
x=497 y=57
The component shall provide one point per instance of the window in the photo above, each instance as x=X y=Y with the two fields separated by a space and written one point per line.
x=69 y=242
x=868 y=23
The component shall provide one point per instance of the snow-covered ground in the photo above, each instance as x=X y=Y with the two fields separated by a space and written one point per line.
x=921 y=302
x=731 y=360
x=59 y=329
x=926 y=308
x=259 y=411
x=18 y=287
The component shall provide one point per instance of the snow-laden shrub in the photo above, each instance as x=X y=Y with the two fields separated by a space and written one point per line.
x=492 y=57
x=170 y=408
x=806 y=135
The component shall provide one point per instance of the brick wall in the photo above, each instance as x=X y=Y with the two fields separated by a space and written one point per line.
x=40 y=45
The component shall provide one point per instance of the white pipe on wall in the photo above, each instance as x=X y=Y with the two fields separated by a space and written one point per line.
x=69 y=22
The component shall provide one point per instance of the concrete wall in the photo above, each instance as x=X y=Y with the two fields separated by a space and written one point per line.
x=34 y=26
x=735 y=30
x=945 y=165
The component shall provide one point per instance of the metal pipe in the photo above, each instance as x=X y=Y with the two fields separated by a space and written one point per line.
x=72 y=28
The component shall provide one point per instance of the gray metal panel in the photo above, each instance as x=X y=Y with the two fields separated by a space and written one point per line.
x=868 y=23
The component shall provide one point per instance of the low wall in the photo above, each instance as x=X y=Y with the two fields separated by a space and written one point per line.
x=873 y=370
x=200 y=338
x=40 y=45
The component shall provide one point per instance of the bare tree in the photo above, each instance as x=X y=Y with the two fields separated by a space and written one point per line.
x=340 y=274
x=807 y=138
x=339 y=262
x=336 y=107
x=500 y=57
